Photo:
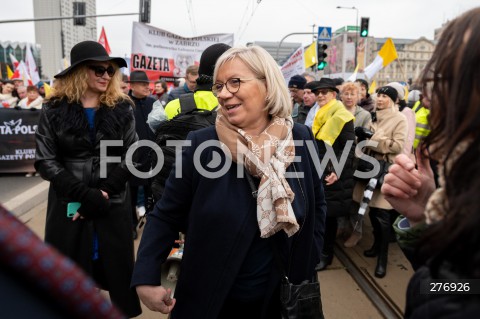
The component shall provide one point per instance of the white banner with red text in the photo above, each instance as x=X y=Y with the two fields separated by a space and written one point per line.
x=161 y=53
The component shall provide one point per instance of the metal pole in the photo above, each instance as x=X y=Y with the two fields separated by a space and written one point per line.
x=72 y=17
x=356 y=31
x=356 y=39
x=281 y=41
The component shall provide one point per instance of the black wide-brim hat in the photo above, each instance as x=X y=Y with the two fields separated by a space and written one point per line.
x=324 y=83
x=89 y=51
x=138 y=76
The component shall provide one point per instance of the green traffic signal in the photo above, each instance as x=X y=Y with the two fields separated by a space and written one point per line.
x=364 y=27
x=321 y=55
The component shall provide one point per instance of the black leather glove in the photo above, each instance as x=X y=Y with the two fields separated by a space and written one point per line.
x=92 y=200
x=115 y=182
x=93 y=204
x=363 y=133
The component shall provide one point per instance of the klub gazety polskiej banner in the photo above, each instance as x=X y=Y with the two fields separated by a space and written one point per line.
x=164 y=54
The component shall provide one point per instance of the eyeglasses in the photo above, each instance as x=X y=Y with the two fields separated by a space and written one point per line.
x=323 y=92
x=100 y=70
x=232 y=85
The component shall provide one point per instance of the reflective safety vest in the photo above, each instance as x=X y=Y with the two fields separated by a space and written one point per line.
x=422 y=128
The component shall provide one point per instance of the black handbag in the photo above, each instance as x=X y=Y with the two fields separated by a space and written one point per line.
x=300 y=301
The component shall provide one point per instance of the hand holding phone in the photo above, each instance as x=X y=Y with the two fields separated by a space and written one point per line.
x=72 y=209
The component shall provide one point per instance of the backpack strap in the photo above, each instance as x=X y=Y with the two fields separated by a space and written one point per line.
x=187 y=103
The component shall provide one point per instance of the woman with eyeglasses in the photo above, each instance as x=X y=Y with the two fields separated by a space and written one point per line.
x=88 y=212
x=248 y=198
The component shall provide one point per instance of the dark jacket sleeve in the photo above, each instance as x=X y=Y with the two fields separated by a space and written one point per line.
x=116 y=179
x=168 y=218
x=320 y=203
x=46 y=162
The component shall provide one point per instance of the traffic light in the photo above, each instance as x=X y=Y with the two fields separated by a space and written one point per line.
x=145 y=6
x=321 y=55
x=364 y=27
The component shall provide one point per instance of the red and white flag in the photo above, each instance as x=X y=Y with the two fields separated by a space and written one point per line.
x=31 y=65
x=14 y=61
x=103 y=41
x=22 y=73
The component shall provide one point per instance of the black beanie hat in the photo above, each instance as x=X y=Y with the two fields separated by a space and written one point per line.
x=388 y=91
x=297 y=82
x=209 y=58
x=363 y=82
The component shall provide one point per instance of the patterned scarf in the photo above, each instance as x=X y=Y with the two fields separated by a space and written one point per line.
x=266 y=157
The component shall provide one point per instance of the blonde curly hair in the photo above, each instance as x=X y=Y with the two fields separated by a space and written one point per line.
x=74 y=84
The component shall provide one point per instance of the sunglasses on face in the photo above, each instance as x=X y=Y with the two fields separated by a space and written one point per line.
x=322 y=92
x=100 y=70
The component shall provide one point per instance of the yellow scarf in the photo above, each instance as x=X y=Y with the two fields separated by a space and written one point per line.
x=330 y=120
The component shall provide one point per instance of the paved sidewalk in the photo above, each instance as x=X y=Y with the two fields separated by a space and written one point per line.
x=341 y=297
x=29 y=199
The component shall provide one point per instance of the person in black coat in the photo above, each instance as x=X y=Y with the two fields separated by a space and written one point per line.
x=140 y=94
x=334 y=132
x=86 y=112
x=228 y=268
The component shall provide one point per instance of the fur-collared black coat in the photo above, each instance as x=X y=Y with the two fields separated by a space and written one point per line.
x=66 y=157
x=143 y=107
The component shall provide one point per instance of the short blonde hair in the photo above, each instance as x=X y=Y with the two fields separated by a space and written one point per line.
x=261 y=63
x=74 y=84
x=350 y=86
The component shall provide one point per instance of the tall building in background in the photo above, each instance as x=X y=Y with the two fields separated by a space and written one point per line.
x=57 y=37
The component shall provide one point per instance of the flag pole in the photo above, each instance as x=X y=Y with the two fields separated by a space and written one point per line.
x=403 y=71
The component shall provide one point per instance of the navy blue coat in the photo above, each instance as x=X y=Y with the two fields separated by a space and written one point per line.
x=218 y=216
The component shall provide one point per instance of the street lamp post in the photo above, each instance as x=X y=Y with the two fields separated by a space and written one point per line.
x=356 y=32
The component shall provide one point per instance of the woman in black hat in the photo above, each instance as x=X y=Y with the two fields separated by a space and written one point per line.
x=88 y=213
x=333 y=130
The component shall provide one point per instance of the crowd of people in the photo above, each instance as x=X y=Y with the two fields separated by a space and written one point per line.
x=16 y=94
x=274 y=213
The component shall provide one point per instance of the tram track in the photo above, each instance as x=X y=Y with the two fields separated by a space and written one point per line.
x=379 y=298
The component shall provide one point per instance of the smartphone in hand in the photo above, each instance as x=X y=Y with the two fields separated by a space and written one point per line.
x=72 y=209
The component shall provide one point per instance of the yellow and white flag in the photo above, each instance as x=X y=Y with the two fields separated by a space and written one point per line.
x=373 y=87
x=310 y=55
x=385 y=56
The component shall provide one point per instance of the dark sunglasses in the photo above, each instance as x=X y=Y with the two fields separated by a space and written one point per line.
x=322 y=92
x=100 y=70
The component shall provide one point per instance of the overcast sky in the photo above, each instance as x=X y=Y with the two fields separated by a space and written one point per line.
x=269 y=20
